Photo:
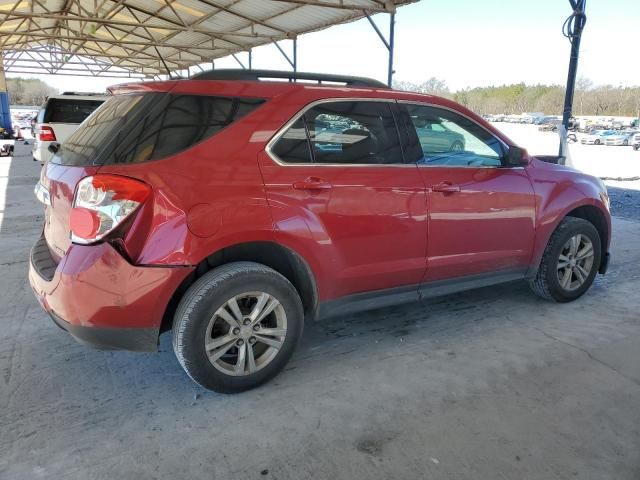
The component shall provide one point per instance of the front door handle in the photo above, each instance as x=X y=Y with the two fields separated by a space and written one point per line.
x=446 y=187
x=312 y=183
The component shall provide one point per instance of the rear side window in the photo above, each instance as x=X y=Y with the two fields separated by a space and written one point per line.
x=180 y=122
x=344 y=133
x=293 y=145
x=137 y=128
x=72 y=110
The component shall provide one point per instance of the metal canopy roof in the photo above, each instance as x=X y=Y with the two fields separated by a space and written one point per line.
x=132 y=37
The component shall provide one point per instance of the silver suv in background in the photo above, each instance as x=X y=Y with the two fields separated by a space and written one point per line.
x=59 y=117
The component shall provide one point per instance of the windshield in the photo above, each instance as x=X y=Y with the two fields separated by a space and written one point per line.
x=72 y=110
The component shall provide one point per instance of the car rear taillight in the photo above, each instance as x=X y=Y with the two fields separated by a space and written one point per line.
x=103 y=202
x=46 y=134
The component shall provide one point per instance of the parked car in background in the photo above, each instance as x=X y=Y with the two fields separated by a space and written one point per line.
x=59 y=117
x=212 y=207
x=550 y=125
x=596 y=137
x=436 y=135
x=620 y=138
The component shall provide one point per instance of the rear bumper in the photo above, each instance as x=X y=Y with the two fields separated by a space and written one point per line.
x=101 y=299
x=134 y=339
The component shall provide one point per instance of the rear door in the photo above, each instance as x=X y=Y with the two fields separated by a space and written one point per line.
x=481 y=213
x=337 y=176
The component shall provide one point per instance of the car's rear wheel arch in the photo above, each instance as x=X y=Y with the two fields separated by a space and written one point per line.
x=281 y=259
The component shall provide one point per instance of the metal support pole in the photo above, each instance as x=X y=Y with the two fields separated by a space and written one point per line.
x=392 y=23
x=5 y=114
x=238 y=60
x=295 y=54
x=573 y=31
x=286 y=57
x=250 y=60
x=389 y=45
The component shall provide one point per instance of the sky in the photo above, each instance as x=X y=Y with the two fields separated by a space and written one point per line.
x=466 y=43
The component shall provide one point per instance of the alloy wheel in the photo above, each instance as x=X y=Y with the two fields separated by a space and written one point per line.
x=575 y=262
x=246 y=333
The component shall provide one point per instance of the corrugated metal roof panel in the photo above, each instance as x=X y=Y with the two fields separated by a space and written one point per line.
x=134 y=34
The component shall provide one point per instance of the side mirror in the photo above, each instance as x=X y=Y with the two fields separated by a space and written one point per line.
x=54 y=147
x=517 y=157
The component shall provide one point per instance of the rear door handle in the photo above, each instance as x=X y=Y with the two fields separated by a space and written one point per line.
x=312 y=183
x=445 y=187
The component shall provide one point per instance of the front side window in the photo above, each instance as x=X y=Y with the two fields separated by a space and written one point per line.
x=449 y=139
x=342 y=133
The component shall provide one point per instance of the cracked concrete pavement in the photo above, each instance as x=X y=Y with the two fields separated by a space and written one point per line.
x=488 y=384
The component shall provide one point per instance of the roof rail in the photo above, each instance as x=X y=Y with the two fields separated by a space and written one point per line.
x=84 y=94
x=254 y=75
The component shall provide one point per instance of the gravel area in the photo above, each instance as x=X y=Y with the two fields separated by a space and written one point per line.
x=625 y=199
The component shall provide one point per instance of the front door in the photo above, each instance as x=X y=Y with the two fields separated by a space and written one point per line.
x=481 y=212
x=337 y=176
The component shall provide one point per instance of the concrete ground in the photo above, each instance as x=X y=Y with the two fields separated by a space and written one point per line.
x=489 y=384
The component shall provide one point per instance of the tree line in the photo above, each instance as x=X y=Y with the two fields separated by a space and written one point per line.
x=28 y=91
x=589 y=99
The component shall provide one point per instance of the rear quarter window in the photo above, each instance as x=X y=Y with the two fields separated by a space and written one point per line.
x=138 y=128
x=73 y=110
x=177 y=123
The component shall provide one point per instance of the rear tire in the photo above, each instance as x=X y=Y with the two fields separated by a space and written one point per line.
x=220 y=336
x=570 y=261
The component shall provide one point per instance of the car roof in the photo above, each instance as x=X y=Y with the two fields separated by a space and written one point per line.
x=78 y=97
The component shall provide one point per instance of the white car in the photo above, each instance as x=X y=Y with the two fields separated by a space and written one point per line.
x=621 y=138
x=59 y=117
x=597 y=137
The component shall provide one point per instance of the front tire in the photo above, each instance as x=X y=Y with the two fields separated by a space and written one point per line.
x=237 y=326
x=570 y=261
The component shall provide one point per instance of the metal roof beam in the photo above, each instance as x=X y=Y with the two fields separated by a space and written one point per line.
x=107 y=21
x=85 y=38
x=387 y=7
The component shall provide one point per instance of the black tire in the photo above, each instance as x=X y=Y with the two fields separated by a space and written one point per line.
x=636 y=147
x=596 y=142
x=546 y=284
x=205 y=297
x=625 y=143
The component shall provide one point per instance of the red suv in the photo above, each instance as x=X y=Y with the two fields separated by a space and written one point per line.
x=230 y=207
